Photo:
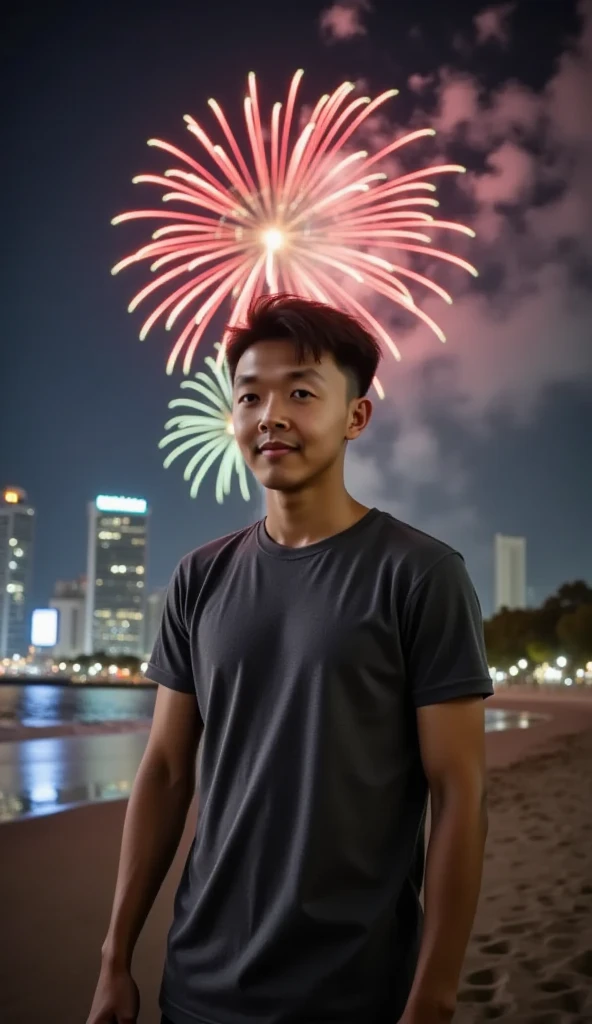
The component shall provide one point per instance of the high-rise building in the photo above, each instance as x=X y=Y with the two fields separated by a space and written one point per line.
x=17 y=522
x=116 y=575
x=510 y=572
x=154 y=609
x=69 y=599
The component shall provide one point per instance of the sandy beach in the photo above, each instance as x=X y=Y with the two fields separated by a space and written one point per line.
x=530 y=958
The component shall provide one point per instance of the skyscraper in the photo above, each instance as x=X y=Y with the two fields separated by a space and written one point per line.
x=510 y=572
x=69 y=599
x=17 y=521
x=116 y=571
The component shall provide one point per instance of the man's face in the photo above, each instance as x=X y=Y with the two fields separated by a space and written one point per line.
x=291 y=419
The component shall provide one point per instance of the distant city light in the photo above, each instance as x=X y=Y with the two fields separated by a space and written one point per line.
x=143 y=666
x=76 y=667
x=513 y=670
x=62 y=666
x=523 y=663
x=43 y=793
x=11 y=497
x=44 y=627
x=561 y=661
x=568 y=681
x=111 y=503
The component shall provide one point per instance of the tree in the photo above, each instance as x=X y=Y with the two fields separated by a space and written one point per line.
x=563 y=624
x=574 y=630
x=507 y=636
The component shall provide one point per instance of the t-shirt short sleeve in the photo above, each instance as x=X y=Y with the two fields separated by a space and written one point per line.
x=170 y=663
x=443 y=636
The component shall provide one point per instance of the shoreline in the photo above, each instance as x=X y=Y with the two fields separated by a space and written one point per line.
x=17 y=732
x=566 y=710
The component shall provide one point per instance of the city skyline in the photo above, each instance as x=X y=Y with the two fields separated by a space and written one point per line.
x=482 y=436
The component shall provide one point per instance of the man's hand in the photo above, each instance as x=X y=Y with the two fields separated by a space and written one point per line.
x=428 y=1013
x=117 y=999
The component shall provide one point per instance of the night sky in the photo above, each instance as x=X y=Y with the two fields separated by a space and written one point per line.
x=490 y=433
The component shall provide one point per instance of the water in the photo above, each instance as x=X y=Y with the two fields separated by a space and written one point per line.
x=39 y=705
x=41 y=776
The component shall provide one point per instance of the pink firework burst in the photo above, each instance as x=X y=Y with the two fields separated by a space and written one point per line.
x=301 y=212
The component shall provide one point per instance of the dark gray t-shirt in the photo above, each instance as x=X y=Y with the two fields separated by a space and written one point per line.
x=299 y=901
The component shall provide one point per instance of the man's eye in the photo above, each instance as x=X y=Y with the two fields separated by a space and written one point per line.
x=302 y=393
x=246 y=399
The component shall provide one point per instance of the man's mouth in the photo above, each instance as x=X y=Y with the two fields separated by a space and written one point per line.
x=275 y=449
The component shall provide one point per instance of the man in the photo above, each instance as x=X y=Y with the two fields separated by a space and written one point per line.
x=330 y=659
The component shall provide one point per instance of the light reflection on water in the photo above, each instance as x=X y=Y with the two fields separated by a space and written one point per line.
x=47 y=775
x=40 y=705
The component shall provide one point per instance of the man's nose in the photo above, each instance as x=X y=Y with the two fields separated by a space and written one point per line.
x=273 y=416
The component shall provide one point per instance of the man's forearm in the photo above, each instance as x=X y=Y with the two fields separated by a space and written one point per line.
x=153 y=827
x=453 y=879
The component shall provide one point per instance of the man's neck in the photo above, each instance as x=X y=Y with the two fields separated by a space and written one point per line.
x=299 y=518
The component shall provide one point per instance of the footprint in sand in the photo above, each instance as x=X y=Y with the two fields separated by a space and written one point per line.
x=530 y=964
x=582 y=963
x=545 y=900
x=517 y=928
x=571 y=1001
x=498 y=948
x=497 y=1010
x=556 y=984
x=560 y=942
x=546 y=1018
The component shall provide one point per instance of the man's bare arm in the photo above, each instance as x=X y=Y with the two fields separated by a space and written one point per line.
x=453 y=753
x=155 y=819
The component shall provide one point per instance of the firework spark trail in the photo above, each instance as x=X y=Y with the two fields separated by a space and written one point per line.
x=305 y=216
x=205 y=429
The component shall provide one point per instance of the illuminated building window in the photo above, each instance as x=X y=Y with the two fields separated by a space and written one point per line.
x=140 y=570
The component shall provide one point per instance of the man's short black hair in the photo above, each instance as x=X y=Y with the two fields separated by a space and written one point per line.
x=314 y=328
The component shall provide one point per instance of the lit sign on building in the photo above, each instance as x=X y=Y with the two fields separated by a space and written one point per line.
x=109 y=503
x=44 y=627
x=11 y=497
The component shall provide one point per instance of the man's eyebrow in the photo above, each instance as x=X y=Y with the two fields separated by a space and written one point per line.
x=305 y=373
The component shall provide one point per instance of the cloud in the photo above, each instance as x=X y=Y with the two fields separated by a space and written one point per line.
x=419 y=83
x=491 y=25
x=344 y=21
x=524 y=327
x=509 y=178
x=458 y=101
